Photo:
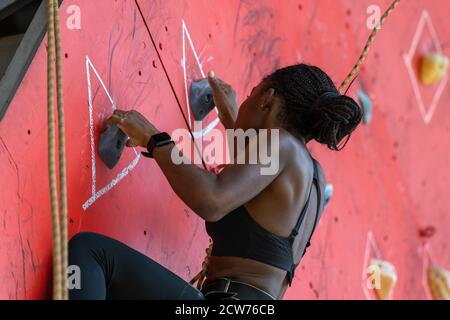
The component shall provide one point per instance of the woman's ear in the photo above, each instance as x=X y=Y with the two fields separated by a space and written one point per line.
x=268 y=98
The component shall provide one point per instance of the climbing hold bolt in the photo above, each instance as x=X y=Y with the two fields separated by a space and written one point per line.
x=433 y=68
x=201 y=99
x=110 y=147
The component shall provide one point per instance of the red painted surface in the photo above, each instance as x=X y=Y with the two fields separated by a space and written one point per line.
x=391 y=180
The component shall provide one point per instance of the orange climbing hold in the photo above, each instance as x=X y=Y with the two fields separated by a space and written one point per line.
x=433 y=68
x=439 y=282
x=385 y=277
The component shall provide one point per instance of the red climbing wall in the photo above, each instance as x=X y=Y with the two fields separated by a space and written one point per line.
x=390 y=182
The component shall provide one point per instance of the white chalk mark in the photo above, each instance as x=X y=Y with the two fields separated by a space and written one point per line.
x=91 y=126
x=204 y=131
x=89 y=66
x=427 y=113
x=113 y=183
x=428 y=260
x=126 y=170
x=425 y=266
x=202 y=52
x=187 y=34
x=215 y=122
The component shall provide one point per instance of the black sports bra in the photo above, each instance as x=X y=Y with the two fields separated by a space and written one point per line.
x=238 y=235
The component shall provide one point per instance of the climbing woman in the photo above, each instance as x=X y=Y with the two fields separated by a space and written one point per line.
x=260 y=224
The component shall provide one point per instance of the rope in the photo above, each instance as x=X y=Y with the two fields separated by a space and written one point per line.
x=62 y=152
x=201 y=276
x=188 y=125
x=59 y=224
x=366 y=49
x=57 y=263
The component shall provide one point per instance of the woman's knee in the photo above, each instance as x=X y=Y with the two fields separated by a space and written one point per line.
x=191 y=293
x=198 y=296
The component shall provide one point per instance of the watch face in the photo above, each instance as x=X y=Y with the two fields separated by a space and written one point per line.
x=160 y=137
x=157 y=140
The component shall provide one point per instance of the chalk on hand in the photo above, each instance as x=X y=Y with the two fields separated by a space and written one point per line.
x=110 y=147
x=433 y=68
x=201 y=99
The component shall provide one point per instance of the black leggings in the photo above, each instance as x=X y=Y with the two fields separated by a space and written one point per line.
x=112 y=270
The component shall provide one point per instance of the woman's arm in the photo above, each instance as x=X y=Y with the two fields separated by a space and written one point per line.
x=213 y=196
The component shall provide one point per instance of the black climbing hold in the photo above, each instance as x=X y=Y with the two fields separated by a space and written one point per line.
x=201 y=99
x=110 y=147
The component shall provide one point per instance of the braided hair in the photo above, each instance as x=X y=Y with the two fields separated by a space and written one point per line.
x=313 y=107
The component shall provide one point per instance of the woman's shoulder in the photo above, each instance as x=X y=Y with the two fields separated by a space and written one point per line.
x=299 y=154
x=289 y=142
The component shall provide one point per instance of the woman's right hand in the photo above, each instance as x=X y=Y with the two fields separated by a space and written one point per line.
x=225 y=100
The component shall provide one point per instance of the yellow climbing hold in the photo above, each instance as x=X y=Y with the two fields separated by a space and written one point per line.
x=433 y=68
x=439 y=281
x=385 y=278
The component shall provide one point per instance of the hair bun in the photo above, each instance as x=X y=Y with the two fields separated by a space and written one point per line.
x=312 y=106
x=336 y=117
x=325 y=97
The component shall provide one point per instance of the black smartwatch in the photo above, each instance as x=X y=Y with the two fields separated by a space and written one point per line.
x=157 y=140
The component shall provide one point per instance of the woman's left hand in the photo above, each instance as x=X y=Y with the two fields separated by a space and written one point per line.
x=225 y=99
x=134 y=125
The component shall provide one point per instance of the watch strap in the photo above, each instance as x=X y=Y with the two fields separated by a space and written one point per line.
x=157 y=140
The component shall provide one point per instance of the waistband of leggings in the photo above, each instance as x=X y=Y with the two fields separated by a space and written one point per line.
x=237 y=290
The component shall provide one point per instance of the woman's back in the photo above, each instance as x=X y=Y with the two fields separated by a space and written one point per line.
x=276 y=209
